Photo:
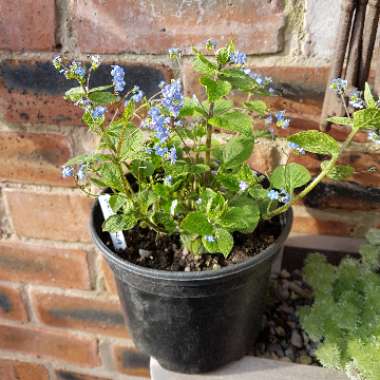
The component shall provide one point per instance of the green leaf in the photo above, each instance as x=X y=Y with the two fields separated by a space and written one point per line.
x=110 y=176
x=117 y=201
x=338 y=172
x=198 y=168
x=142 y=168
x=101 y=97
x=367 y=118
x=316 y=142
x=368 y=97
x=119 y=222
x=238 y=79
x=215 y=89
x=221 y=106
x=202 y=65
x=132 y=142
x=233 y=121
x=223 y=243
x=223 y=55
x=237 y=150
x=341 y=120
x=196 y=223
x=100 y=88
x=257 y=106
x=243 y=215
x=75 y=93
x=289 y=177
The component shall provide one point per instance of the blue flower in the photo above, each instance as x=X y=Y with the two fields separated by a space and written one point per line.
x=168 y=180
x=67 y=171
x=81 y=174
x=285 y=198
x=172 y=97
x=137 y=94
x=243 y=186
x=238 y=57
x=80 y=71
x=118 y=75
x=98 y=112
x=282 y=122
x=210 y=238
x=293 y=145
x=356 y=100
x=160 y=150
x=339 y=85
x=172 y=155
x=273 y=195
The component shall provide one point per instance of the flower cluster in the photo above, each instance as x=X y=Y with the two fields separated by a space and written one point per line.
x=238 y=58
x=339 y=85
x=118 y=76
x=98 y=112
x=296 y=147
x=161 y=124
x=172 y=97
x=356 y=99
x=281 y=196
x=281 y=120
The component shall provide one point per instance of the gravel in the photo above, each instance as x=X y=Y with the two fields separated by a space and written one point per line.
x=282 y=337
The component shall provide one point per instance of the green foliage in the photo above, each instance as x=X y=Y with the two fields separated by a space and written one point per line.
x=166 y=168
x=345 y=315
x=316 y=142
x=338 y=172
x=289 y=177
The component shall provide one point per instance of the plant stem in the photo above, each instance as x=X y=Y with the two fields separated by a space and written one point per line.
x=208 y=140
x=316 y=180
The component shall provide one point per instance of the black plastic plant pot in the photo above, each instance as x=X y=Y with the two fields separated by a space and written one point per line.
x=193 y=322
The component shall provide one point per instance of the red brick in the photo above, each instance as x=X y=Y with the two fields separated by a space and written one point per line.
x=48 y=215
x=109 y=280
x=34 y=157
x=88 y=314
x=131 y=362
x=16 y=370
x=11 y=303
x=31 y=92
x=155 y=26
x=314 y=226
x=43 y=265
x=69 y=375
x=47 y=344
x=27 y=25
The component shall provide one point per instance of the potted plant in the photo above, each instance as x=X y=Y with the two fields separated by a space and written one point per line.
x=189 y=230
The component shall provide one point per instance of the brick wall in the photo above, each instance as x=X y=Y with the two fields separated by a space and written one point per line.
x=59 y=314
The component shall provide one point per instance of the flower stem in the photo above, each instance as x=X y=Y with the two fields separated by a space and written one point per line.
x=208 y=140
x=316 y=180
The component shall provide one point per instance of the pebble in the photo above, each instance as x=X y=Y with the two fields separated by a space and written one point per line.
x=145 y=253
x=282 y=337
x=296 y=339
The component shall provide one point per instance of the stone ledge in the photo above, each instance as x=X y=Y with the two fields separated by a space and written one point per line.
x=252 y=368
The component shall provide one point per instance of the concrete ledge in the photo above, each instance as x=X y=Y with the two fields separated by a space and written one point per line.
x=252 y=368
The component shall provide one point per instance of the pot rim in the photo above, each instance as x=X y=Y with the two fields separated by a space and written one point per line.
x=286 y=220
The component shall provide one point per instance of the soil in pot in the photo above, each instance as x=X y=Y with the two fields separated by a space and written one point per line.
x=146 y=248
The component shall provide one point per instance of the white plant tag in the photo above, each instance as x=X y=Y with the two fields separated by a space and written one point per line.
x=117 y=238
